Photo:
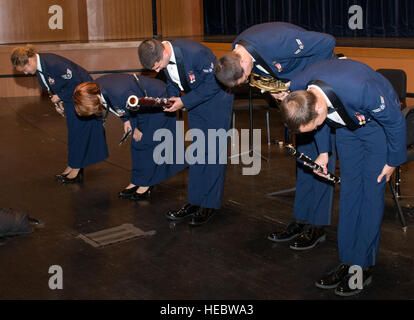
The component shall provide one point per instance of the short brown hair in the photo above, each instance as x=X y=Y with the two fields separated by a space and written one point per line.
x=298 y=109
x=86 y=100
x=20 y=55
x=149 y=52
x=228 y=69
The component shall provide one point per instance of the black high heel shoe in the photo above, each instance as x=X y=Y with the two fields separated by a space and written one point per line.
x=127 y=193
x=61 y=176
x=77 y=179
x=142 y=196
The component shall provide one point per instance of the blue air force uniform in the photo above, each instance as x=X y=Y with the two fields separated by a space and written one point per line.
x=209 y=107
x=284 y=50
x=86 y=139
x=116 y=88
x=371 y=133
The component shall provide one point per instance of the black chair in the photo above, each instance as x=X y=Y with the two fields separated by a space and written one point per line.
x=409 y=116
x=398 y=79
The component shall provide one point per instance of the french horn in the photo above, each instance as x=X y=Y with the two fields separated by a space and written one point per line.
x=271 y=85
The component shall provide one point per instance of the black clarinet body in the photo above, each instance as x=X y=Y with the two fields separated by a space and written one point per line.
x=311 y=164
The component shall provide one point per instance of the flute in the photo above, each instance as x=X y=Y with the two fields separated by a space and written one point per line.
x=311 y=164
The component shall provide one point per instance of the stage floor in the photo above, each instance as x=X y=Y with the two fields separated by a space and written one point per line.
x=228 y=258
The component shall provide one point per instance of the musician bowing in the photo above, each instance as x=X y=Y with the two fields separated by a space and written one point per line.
x=282 y=50
x=110 y=93
x=59 y=76
x=370 y=138
x=189 y=67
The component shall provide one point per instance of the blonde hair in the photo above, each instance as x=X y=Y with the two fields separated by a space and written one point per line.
x=20 y=55
x=86 y=100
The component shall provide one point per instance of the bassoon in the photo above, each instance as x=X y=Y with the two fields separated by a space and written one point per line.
x=150 y=104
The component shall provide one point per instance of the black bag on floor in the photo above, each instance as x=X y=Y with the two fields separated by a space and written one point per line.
x=14 y=222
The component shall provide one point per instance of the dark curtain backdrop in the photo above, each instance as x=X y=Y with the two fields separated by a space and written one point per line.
x=381 y=18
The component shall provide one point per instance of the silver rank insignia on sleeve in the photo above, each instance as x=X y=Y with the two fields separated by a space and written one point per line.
x=209 y=70
x=381 y=107
x=68 y=75
x=301 y=46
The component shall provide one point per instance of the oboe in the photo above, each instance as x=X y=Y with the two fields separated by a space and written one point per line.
x=311 y=164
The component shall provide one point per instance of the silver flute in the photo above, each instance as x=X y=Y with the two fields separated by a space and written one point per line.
x=311 y=164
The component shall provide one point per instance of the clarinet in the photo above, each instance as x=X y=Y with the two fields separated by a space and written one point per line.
x=311 y=164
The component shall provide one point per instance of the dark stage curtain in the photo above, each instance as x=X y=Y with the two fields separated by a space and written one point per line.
x=381 y=18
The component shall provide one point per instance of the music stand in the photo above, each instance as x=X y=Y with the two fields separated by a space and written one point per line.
x=251 y=149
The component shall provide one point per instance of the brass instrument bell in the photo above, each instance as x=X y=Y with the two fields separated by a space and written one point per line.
x=271 y=85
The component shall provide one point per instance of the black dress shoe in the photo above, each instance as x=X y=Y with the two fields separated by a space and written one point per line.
x=185 y=212
x=127 y=193
x=202 y=216
x=334 y=277
x=77 y=179
x=309 y=238
x=142 y=196
x=344 y=290
x=292 y=231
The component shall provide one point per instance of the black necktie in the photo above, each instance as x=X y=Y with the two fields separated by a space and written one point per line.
x=170 y=62
x=336 y=102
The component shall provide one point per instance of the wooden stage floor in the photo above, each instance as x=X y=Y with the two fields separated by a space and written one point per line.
x=228 y=258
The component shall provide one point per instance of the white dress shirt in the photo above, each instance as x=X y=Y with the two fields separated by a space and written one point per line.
x=39 y=68
x=105 y=105
x=253 y=61
x=172 y=68
x=333 y=116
